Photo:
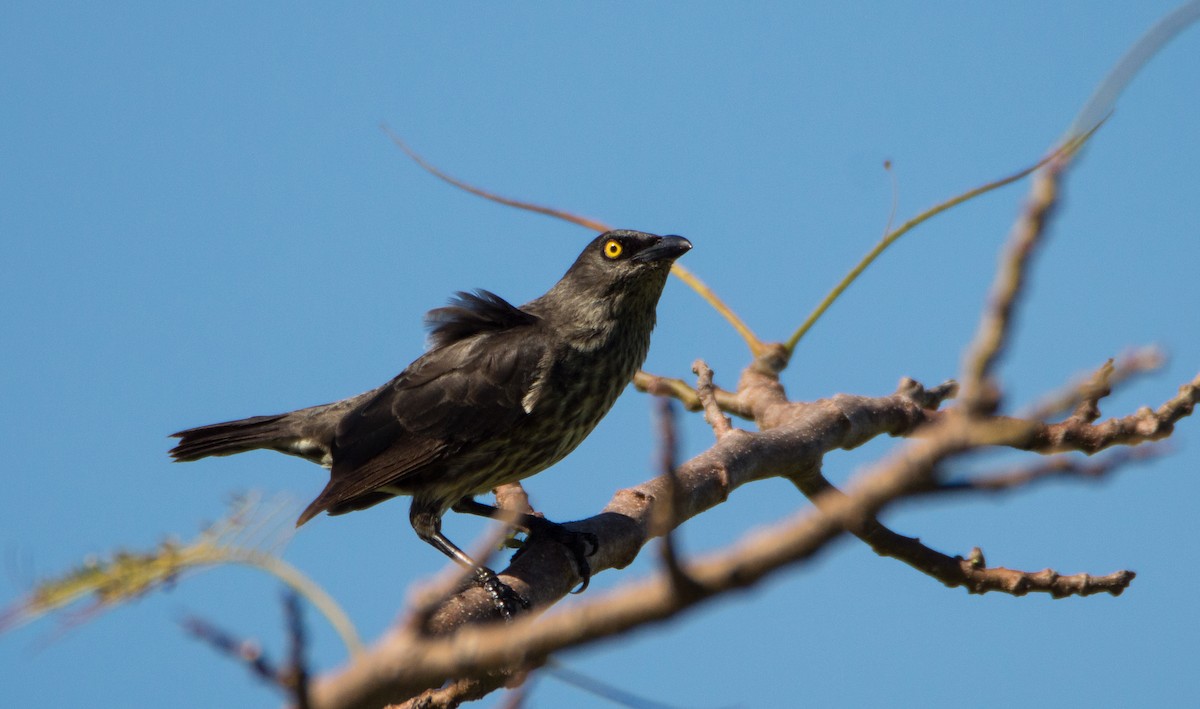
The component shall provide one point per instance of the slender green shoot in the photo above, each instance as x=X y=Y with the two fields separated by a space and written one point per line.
x=1071 y=146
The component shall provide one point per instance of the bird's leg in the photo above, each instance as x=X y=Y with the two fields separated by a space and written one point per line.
x=427 y=522
x=581 y=545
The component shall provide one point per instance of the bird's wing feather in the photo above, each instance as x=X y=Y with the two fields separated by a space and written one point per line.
x=452 y=396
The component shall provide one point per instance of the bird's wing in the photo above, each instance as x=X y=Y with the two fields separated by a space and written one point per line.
x=452 y=397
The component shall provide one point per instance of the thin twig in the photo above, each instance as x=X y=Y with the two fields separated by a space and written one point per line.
x=721 y=425
x=916 y=221
x=684 y=274
x=307 y=588
x=1142 y=426
x=432 y=169
x=730 y=402
x=756 y=345
x=1104 y=98
x=597 y=688
x=296 y=675
x=1095 y=387
x=453 y=694
x=666 y=515
x=954 y=571
x=1057 y=467
x=245 y=652
x=980 y=394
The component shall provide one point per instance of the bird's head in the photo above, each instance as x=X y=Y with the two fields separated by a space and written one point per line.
x=620 y=274
x=624 y=259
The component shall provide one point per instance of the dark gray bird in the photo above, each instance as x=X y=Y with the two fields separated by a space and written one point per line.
x=502 y=393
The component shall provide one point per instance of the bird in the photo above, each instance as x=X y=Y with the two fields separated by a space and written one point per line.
x=502 y=393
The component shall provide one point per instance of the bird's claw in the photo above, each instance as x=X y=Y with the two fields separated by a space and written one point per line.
x=507 y=601
x=581 y=545
x=576 y=545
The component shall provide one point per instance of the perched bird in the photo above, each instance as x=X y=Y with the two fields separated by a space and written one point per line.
x=501 y=394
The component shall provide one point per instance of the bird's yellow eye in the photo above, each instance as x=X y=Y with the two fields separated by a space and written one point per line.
x=613 y=249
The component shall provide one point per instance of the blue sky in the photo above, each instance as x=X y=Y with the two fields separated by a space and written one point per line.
x=202 y=220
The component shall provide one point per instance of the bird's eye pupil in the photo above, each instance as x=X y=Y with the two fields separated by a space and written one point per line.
x=612 y=249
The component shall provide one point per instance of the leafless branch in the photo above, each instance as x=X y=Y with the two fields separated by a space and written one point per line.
x=980 y=392
x=454 y=694
x=791 y=441
x=1084 y=396
x=954 y=571
x=721 y=425
x=1059 y=467
x=292 y=678
x=295 y=676
x=1142 y=426
x=666 y=517
x=680 y=390
x=246 y=652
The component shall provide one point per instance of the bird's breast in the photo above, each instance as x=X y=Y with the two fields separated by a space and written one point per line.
x=579 y=389
x=573 y=387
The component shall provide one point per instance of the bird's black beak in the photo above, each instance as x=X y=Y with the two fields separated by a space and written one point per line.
x=668 y=248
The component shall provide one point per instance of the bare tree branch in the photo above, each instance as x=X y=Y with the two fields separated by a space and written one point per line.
x=678 y=389
x=791 y=442
x=1058 y=467
x=666 y=513
x=246 y=652
x=955 y=571
x=1084 y=396
x=721 y=425
x=1142 y=426
x=295 y=676
x=454 y=694
x=980 y=391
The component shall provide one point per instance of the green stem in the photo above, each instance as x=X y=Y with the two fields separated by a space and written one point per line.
x=1067 y=148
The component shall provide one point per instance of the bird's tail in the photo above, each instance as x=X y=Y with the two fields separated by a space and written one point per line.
x=230 y=437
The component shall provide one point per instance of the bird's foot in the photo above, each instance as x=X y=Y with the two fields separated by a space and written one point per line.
x=507 y=601
x=581 y=545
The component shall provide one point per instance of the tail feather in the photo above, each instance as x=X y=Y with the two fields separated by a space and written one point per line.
x=231 y=437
